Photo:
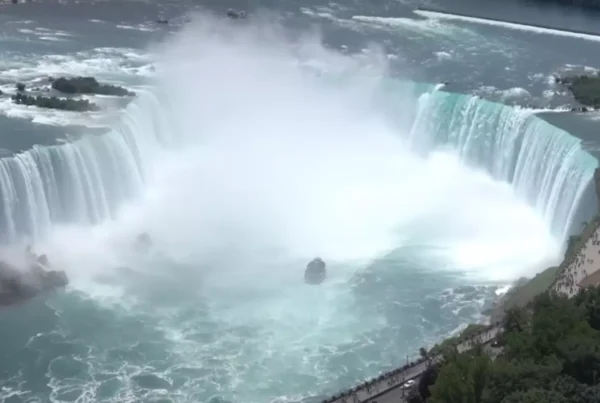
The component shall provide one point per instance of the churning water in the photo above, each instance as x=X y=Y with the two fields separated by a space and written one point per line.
x=250 y=152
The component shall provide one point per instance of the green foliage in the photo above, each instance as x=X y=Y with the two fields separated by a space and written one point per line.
x=79 y=105
x=551 y=354
x=585 y=89
x=535 y=395
x=426 y=380
x=88 y=85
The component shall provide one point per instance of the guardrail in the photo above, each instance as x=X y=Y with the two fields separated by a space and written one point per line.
x=386 y=375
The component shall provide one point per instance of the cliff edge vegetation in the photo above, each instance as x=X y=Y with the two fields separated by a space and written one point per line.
x=550 y=354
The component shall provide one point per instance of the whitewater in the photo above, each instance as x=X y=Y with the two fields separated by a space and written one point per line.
x=250 y=151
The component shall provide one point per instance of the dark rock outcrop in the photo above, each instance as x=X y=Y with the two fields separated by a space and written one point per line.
x=236 y=15
x=597 y=185
x=77 y=105
x=18 y=286
x=143 y=242
x=43 y=260
x=88 y=85
x=585 y=89
x=315 y=272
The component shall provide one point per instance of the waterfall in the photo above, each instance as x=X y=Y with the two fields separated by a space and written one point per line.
x=545 y=165
x=82 y=182
x=86 y=181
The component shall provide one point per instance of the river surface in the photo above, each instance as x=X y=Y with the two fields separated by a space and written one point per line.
x=308 y=129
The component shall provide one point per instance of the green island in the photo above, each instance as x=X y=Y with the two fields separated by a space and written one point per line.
x=77 y=105
x=88 y=85
x=70 y=86
x=585 y=88
x=550 y=353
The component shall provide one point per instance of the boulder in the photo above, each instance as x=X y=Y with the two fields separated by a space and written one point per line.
x=236 y=15
x=315 y=272
x=143 y=242
x=17 y=286
x=54 y=279
x=43 y=260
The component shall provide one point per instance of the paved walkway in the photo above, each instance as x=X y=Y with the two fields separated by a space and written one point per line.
x=394 y=381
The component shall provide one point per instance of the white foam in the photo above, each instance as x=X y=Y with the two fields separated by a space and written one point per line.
x=139 y=27
x=510 y=25
x=100 y=62
x=327 y=174
x=278 y=164
x=427 y=27
x=443 y=55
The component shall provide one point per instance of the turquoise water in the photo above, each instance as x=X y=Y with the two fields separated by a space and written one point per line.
x=243 y=159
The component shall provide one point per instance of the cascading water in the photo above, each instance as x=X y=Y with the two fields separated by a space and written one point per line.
x=546 y=166
x=83 y=182
x=86 y=181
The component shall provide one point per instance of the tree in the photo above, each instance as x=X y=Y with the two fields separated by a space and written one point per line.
x=535 y=396
x=478 y=374
x=414 y=397
x=515 y=319
x=550 y=354
x=589 y=300
x=450 y=386
x=581 y=359
x=427 y=379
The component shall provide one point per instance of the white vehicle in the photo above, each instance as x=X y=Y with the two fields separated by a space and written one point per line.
x=408 y=384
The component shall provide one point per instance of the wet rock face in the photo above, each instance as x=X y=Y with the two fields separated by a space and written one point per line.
x=597 y=184
x=55 y=279
x=315 y=272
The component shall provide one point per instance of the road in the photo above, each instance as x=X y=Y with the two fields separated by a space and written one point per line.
x=388 y=389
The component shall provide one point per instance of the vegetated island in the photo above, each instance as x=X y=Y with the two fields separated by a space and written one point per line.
x=585 y=88
x=70 y=86
x=88 y=85
x=65 y=104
